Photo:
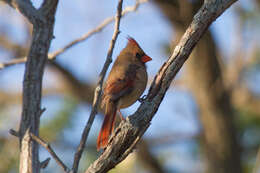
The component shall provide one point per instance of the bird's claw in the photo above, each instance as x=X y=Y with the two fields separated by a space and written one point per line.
x=142 y=99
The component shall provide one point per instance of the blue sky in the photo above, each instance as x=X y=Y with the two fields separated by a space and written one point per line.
x=177 y=113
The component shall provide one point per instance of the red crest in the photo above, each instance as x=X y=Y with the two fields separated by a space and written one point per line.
x=132 y=41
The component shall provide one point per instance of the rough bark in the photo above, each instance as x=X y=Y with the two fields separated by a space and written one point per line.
x=204 y=78
x=43 y=22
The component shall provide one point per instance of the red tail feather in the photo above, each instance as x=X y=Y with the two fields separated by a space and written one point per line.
x=107 y=126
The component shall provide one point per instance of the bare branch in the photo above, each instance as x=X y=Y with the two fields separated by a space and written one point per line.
x=26 y=8
x=99 y=28
x=14 y=133
x=51 y=151
x=32 y=89
x=13 y=62
x=130 y=131
x=42 y=111
x=45 y=163
x=98 y=89
x=84 y=37
x=48 y=6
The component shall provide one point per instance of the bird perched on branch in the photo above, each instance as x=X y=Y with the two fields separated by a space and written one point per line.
x=125 y=84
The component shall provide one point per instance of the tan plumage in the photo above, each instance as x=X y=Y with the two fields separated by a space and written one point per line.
x=125 y=84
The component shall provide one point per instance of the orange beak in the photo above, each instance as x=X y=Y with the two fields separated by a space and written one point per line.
x=145 y=58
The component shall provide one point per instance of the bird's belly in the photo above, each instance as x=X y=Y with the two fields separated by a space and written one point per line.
x=131 y=98
x=128 y=100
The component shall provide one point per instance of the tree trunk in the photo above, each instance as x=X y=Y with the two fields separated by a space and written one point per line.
x=43 y=22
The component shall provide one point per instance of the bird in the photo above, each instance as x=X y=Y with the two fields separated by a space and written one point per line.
x=125 y=84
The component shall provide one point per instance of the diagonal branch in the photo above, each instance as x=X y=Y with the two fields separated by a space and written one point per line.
x=51 y=151
x=98 y=89
x=99 y=28
x=129 y=132
x=13 y=62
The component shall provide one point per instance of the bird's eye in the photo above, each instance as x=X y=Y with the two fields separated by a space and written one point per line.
x=137 y=55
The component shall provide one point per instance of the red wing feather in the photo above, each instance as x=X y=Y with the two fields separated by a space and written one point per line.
x=119 y=88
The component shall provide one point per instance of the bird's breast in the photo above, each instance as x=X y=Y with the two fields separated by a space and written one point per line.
x=139 y=86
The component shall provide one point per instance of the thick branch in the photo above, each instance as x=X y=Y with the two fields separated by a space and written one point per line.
x=129 y=132
x=32 y=90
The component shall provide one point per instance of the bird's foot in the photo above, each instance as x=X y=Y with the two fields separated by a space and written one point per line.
x=142 y=99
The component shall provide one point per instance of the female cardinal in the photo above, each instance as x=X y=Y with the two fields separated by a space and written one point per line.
x=125 y=84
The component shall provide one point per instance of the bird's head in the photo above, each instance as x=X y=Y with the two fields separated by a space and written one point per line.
x=136 y=51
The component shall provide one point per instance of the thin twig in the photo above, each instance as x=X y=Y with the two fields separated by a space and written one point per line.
x=13 y=62
x=99 y=28
x=14 y=133
x=98 y=89
x=45 y=163
x=51 y=151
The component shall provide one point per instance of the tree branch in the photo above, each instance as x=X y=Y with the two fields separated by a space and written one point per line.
x=45 y=163
x=98 y=89
x=26 y=8
x=99 y=28
x=51 y=151
x=32 y=88
x=130 y=131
